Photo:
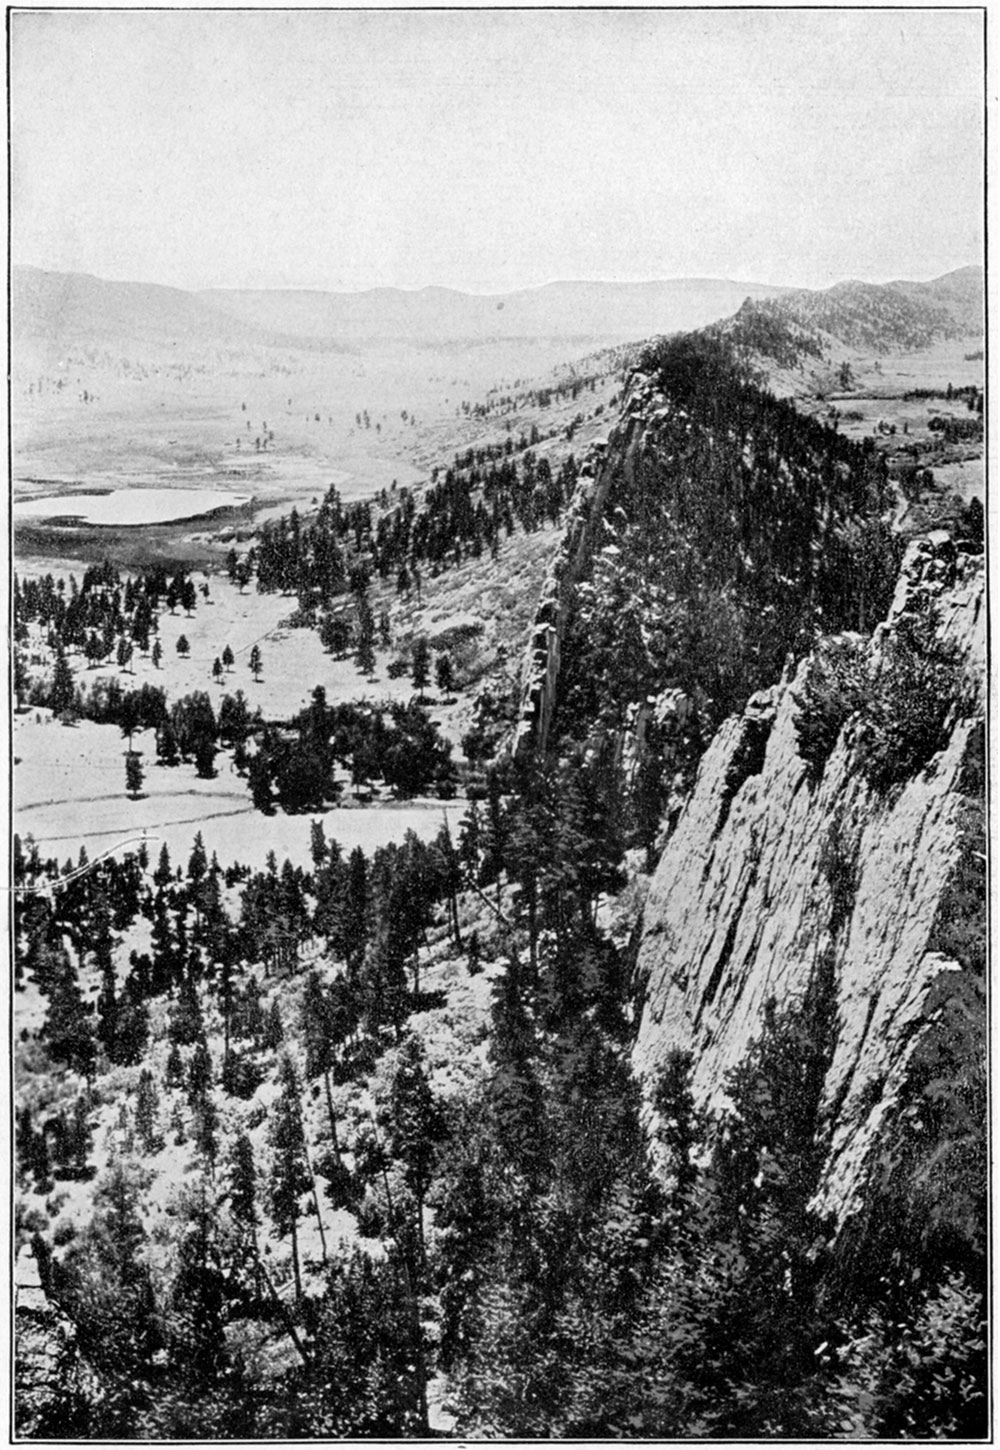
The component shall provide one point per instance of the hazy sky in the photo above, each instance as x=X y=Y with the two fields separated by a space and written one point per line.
x=489 y=150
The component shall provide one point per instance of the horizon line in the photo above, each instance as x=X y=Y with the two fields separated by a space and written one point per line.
x=467 y=291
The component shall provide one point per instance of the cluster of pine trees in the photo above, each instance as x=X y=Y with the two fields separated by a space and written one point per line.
x=397 y=744
x=747 y=531
x=500 y=402
x=563 y=1275
x=518 y=1238
x=478 y=501
x=99 y=618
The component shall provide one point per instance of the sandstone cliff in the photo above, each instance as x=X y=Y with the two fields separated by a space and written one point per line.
x=772 y=870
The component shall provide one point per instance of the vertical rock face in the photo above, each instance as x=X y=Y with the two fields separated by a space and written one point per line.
x=600 y=467
x=52 y=1387
x=770 y=872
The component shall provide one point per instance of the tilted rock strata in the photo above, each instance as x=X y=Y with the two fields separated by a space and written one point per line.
x=603 y=463
x=742 y=908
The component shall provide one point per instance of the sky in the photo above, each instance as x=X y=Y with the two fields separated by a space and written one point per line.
x=489 y=150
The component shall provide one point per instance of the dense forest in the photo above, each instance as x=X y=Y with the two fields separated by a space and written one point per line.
x=297 y=1042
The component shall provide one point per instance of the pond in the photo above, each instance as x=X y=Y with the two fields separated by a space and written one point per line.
x=129 y=507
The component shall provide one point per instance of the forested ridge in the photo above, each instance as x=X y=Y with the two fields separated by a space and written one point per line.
x=431 y=1045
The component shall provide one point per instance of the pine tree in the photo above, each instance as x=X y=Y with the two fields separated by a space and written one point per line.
x=62 y=692
x=67 y=1028
x=183 y=648
x=147 y=1107
x=289 y=1175
x=274 y=1029
x=199 y=1075
x=242 y=1184
x=134 y=774
x=106 y=1287
x=365 y=656
x=444 y=674
x=167 y=749
x=228 y=658
x=102 y=946
x=420 y=665
x=317 y=844
x=197 y=861
x=204 y=757
x=256 y=661
x=414 y=1125
x=174 y=1070
x=157 y=654
x=163 y=875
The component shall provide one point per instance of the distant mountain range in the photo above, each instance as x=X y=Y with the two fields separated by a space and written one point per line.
x=865 y=317
x=56 y=312
x=72 y=310
x=605 y=311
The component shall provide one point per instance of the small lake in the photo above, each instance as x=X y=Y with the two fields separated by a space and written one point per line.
x=130 y=507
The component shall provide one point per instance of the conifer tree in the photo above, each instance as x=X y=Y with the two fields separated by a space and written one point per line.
x=61 y=693
x=197 y=862
x=365 y=656
x=444 y=674
x=167 y=750
x=420 y=665
x=414 y=1126
x=134 y=775
x=67 y=1028
x=147 y=1107
x=289 y=1175
x=163 y=875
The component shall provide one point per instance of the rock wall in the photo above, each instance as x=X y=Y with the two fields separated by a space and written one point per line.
x=602 y=464
x=744 y=902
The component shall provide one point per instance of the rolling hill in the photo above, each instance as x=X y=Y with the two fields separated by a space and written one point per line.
x=893 y=317
x=606 y=311
x=54 y=313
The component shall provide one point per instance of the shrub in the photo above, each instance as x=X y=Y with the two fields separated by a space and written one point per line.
x=902 y=701
x=915 y=693
x=834 y=687
x=924 y=1375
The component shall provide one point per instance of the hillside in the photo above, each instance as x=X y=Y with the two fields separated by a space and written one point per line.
x=54 y=313
x=646 y=1098
x=62 y=311
x=897 y=317
x=572 y=310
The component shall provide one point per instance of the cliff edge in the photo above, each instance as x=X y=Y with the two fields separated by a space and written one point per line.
x=779 y=868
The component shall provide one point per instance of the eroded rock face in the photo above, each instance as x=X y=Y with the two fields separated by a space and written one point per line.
x=600 y=467
x=750 y=893
x=53 y=1388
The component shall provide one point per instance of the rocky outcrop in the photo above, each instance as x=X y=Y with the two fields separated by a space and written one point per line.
x=771 y=871
x=541 y=668
x=603 y=463
x=53 y=1387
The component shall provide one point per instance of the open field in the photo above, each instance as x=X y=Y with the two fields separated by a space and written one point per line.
x=360 y=421
x=69 y=791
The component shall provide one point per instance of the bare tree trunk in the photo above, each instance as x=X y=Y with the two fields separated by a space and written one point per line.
x=315 y=1199
x=329 y=1108
x=295 y=1262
